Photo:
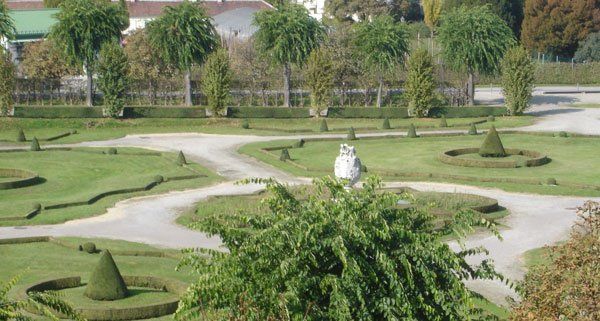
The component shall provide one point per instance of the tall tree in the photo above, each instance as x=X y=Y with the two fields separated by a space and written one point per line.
x=556 y=27
x=43 y=60
x=432 y=12
x=589 y=50
x=82 y=27
x=287 y=35
x=216 y=80
x=382 y=43
x=7 y=85
x=511 y=11
x=420 y=83
x=113 y=69
x=319 y=78
x=517 y=79
x=185 y=36
x=346 y=66
x=7 y=26
x=473 y=41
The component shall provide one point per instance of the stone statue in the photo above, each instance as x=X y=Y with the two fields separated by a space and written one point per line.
x=347 y=165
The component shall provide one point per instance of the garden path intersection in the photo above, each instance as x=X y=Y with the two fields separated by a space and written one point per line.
x=534 y=220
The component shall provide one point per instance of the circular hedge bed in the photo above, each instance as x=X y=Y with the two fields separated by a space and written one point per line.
x=533 y=159
x=165 y=305
x=17 y=178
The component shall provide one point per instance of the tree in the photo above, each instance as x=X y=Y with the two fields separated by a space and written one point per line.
x=334 y=254
x=517 y=79
x=43 y=60
x=287 y=35
x=251 y=68
x=82 y=28
x=420 y=83
x=185 y=36
x=216 y=79
x=145 y=63
x=511 y=11
x=473 y=41
x=432 y=12
x=566 y=288
x=7 y=26
x=361 y=10
x=47 y=302
x=52 y=3
x=113 y=68
x=319 y=78
x=382 y=43
x=7 y=85
x=346 y=66
x=589 y=50
x=556 y=27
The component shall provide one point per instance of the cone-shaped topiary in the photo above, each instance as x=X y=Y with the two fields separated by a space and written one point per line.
x=443 y=122
x=473 y=129
x=412 y=132
x=181 y=159
x=492 y=145
x=491 y=118
x=285 y=155
x=35 y=145
x=386 y=124
x=106 y=282
x=299 y=144
x=351 y=134
x=324 y=127
x=245 y=124
x=21 y=136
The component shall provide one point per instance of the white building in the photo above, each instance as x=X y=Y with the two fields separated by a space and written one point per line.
x=316 y=8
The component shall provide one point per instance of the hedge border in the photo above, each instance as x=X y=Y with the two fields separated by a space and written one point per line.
x=24 y=178
x=268 y=112
x=449 y=157
x=490 y=206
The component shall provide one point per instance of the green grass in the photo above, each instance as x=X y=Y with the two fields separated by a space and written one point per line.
x=103 y=129
x=77 y=175
x=585 y=105
x=536 y=257
x=574 y=160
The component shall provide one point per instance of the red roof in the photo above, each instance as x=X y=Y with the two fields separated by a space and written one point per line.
x=140 y=9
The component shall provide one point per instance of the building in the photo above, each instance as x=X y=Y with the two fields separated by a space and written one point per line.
x=316 y=8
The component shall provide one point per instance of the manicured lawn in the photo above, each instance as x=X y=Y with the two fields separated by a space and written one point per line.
x=585 y=105
x=536 y=257
x=102 y=129
x=77 y=175
x=574 y=161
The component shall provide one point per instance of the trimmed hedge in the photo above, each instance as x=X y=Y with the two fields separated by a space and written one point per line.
x=449 y=157
x=164 y=112
x=268 y=112
x=23 y=178
x=57 y=112
x=463 y=112
x=367 y=112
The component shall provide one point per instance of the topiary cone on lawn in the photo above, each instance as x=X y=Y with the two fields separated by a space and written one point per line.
x=473 y=129
x=492 y=145
x=412 y=132
x=21 y=136
x=106 y=282
x=386 y=124
x=35 y=145
x=324 y=127
x=443 y=122
x=181 y=159
x=351 y=134
x=285 y=155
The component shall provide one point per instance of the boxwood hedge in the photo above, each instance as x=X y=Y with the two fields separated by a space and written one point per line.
x=268 y=112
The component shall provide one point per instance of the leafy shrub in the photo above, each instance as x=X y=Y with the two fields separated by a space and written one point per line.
x=412 y=131
x=57 y=112
x=106 y=282
x=351 y=134
x=159 y=179
x=443 y=122
x=386 y=124
x=563 y=134
x=466 y=112
x=181 y=159
x=245 y=124
x=285 y=155
x=551 y=181
x=35 y=145
x=113 y=68
x=7 y=85
x=89 y=247
x=216 y=79
x=589 y=49
x=492 y=145
x=420 y=83
x=21 y=136
x=324 y=127
x=473 y=129
x=112 y=151
x=517 y=79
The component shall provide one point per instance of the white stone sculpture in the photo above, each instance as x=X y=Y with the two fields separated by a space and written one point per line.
x=347 y=165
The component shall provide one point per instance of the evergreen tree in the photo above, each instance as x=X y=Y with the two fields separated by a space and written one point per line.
x=319 y=78
x=386 y=124
x=323 y=127
x=412 y=131
x=589 y=49
x=216 y=79
x=7 y=85
x=511 y=11
x=351 y=134
x=113 y=69
x=517 y=80
x=420 y=83
x=7 y=25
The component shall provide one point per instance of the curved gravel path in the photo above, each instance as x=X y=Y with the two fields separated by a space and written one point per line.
x=535 y=220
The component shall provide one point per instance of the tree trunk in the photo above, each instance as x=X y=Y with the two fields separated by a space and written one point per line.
x=188 y=87
x=287 y=75
x=380 y=91
x=89 y=100
x=471 y=89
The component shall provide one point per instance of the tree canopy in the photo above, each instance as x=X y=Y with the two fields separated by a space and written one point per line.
x=348 y=10
x=589 y=49
x=43 y=60
x=517 y=79
x=511 y=11
x=332 y=254
x=7 y=27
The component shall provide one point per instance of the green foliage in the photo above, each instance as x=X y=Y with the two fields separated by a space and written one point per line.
x=589 y=49
x=337 y=255
x=386 y=124
x=35 y=145
x=517 y=80
x=21 y=136
x=37 y=207
x=285 y=155
x=52 y=3
x=492 y=145
x=511 y=11
x=351 y=134
x=473 y=129
x=106 y=282
x=159 y=179
x=320 y=78
x=346 y=10
x=181 y=159
x=420 y=83
x=7 y=25
x=113 y=69
x=216 y=79
x=112 y=151
x=89 y=247
x=443 y=122
x=491 y=118
x=268 y=112
x=563 y=134
x=300 y=143
x=412 y=132
x=323 y=127
x=7 y=85
x=551 y=181
x=44 y=60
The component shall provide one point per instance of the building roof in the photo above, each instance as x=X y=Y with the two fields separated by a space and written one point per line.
x=33 y=24
x=236 y=22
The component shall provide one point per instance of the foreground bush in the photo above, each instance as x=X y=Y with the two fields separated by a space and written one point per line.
x=336 y=255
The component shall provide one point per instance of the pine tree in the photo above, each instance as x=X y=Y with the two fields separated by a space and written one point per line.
x=216 y=79
x=113 y=68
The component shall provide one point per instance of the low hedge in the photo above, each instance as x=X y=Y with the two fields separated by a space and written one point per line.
x=57 y=112
x=268 y=112
x=465 y=112
x=23 y=178
x=25 y=240
x=367 y=112
x=449 y=157
x=164 y=112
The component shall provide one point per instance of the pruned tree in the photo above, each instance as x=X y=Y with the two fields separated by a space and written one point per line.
x=518 y=75
x=185 y=36
x=346 y=66
x=7 y=25
x=252 y=69
x=82 y=28
x=113 y=69
x=474 y=40
x=432 y=12
x=216 y=80
x=381 y=43
x=589 y=49
x=7 y=85
x=287 y=35
x=43 y=60
x=511 y=11
x=420 y=83
x=319 y=78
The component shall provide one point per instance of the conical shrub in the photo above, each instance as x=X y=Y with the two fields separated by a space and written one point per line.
x=386 y=124
x=35 y=145
x=351 y=134
x=473 y=129
x=285 y=155
x=492 y=145
x=181 y=159
x=21 y=136
x=412 y=132
x=443 y=122
x=324 y=127
x=106 y=282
